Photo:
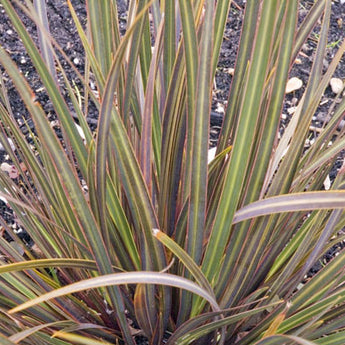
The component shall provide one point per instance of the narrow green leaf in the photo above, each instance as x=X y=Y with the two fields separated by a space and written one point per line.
x=6 y=341
x=120 y=279
x=282 y=339
x=28 y=332
x=134 y=48
x=146 y=133
x=70 y=182
x=56 y=262
x=291 y=203
x=102 y=32
x=220 y=20
x=181 y=336
x=266 y=128
x=190 y=45
x=240 y=155
x=333 y=339
x=186 y=259
x=169 y=41
x=199 y=133
x=95 y=64
x=46 y=48
x=78 y=339
x=312 y=313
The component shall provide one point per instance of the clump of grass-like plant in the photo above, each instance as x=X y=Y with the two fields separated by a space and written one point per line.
x=134 y=232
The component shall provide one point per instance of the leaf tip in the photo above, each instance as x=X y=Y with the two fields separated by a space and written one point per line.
x=155 y=232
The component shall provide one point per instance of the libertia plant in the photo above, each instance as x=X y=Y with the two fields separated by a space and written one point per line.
x=134 y=232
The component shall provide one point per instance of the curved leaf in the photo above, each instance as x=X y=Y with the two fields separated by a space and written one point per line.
x=120 y=279
x=293 y=202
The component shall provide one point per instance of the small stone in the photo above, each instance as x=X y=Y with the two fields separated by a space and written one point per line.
x=220 y=108
x=54 y=123
x=294 y=101
x=10 y=169
x=306 y=48
x=337 y=85
x=211 y=154
x=231 y=71
x=13 y=147
x=327 y=183
x=9 y=32
x=293 y=84
x=76 y=61
x=291 y=110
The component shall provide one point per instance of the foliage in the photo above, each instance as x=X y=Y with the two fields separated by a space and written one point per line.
x=135 y=233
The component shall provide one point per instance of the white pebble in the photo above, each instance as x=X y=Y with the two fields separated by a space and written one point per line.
x=293 y=84
x=291 y=110
x=327 y=183
x=13 y=148
x=337 y=85
x=231 y=71
x=211 y=154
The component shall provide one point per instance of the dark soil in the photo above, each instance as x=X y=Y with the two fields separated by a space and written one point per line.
x=64 y=32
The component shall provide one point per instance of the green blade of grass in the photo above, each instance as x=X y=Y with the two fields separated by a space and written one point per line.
x=265 y=139
x=123 y=148
x=78 y=339
x=185 y=258
x=169 y=41
x=240 y=155
x=46 y=49
x=134 y=49
x=146 y=133
x=58 y=262
x=119 y=279
x=28 y=332
x=282 y=339
x=316 y=86
x=173 y=132
x=70 y=182
x=199 y=134
x=6 y=341
x=220 y=20
x=243 y=56
x=91 y=55
x=52 y=88
x=101 y=21
x=181 y=336
x=333 y=339
x=292 y=202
